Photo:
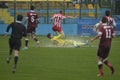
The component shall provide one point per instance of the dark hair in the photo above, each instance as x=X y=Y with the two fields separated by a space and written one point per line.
x=49 y=35
x=19 y=17
x=60 y=12
x=104 y=20
x=107 y=13
x=32 y=7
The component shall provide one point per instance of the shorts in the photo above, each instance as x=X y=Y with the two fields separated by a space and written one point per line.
x=31 y=29
x=57 y=28
x=103 y=51
x=15 y=44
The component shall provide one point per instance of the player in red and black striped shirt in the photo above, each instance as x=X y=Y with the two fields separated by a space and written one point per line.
x=105 y=34
x=32 y=22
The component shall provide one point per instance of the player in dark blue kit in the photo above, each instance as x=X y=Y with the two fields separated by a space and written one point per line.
x=18 y=30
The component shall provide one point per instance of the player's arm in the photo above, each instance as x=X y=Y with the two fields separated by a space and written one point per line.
x=8 y=28
x=71 y=16
x=98 y=36
x=100 y=29
x=93 y=39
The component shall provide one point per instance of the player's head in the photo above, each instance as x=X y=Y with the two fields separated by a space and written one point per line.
x=19 y=17
x=32 y=7
x=104 y=20
x=107 y=13
x=60 y=12
x=49 y=35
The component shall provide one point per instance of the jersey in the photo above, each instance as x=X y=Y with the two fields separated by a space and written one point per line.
x=57 y=20
x=106 y=33
x=18 y=30
x=32 y=18
x=111 y=21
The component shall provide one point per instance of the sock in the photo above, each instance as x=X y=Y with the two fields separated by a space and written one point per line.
x=26 y=42
x=15 y=60
x=100 y=67
x=110 y=66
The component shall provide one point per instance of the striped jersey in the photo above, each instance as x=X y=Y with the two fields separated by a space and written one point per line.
x=111 y=21
x=57 y=19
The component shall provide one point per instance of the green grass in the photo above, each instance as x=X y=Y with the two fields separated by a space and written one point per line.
x=47 y=63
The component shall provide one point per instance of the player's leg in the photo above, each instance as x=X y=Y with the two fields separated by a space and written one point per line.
x=26 y=41
x=11 y=45
x=15 y=61
x=100 y=54
x=60 y=31
x=16 y=51
x=35 y=39
x=100 y=66
x=106 y=62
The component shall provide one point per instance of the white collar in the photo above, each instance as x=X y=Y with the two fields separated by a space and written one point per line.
x=32 y=11
x=18 y=21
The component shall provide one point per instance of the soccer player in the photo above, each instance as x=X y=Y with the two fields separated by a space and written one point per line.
x=57 y=21
x=18 y=30
x=32 y=22
x=105 y=34
x=58 y=41
x=111 y=20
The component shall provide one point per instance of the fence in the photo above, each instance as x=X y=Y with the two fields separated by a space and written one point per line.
x=87 y=11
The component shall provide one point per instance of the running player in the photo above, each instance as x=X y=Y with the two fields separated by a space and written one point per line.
x=59 y=42
x=32 y=23
x=18 y=30
x=57 y=21
x=105 y=34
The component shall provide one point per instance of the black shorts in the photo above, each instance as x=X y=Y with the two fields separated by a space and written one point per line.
x=103 y=51
x=31 y=29
x=15 y=44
